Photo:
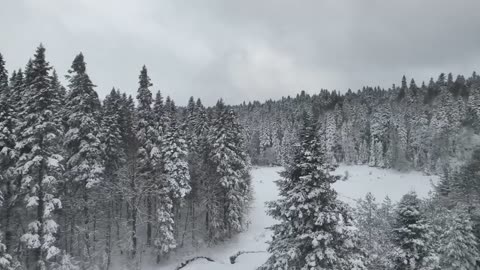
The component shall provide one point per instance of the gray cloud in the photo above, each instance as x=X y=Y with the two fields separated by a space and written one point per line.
x=246 y=50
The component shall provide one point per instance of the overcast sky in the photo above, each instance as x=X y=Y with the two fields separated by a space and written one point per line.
x=246 y=49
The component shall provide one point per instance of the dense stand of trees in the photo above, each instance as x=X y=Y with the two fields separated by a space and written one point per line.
x=314 y=230
x=434 y=128
x=429 y=127
x=86 y=184
x=440 y=232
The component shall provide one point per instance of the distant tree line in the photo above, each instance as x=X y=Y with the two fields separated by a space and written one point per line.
x=428 y=127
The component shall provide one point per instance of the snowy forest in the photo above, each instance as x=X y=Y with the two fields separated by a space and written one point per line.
x=131 y=178
x=118 y=182
x=432 y=127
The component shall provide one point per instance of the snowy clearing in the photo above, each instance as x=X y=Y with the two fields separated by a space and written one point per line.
x=362 y=179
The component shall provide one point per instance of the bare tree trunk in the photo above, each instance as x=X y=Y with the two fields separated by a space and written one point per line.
x=133 y=217
x=108 y=235
x=193 y=223
x=37 y=252
x=149 y=221
x=8 y=217
x=86 y=222
x=185 y=228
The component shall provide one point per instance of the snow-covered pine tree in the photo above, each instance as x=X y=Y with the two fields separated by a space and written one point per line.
x=40 y=162
x=8 y=159
x=374 y=225
x=6 y=260
x=175 y=170
x=176 y=186
x=315 y=230
x=4 y=89
x=411 y=234
x=55 y=81
x=164 y=241
x=198 y=156
x=84 y=155
x=146 y=138
x=368 y=221
x=158 y=108
x=17 y=89
x=230 y=161
x=114 y=173
x=458 y=247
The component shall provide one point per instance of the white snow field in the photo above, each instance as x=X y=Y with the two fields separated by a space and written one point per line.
x=361 y=179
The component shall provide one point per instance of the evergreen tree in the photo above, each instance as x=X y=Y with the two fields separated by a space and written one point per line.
x=147 y=140
x=164 y=241
x=3 y=79
x=115 y=159
x=175 y=187
x=17 y=89
x=175 y=162
x=84 y=153
x=8 y=159
x=410 y=234
x=315 y=230
x=231 y=164
x=40 y=162
x=458 y=244
x=158 y=109
x=6 y=260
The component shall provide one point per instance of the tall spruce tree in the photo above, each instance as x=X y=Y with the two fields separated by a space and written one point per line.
x=231 y=166
x=6 y=260
x=115 y=159
x=458 y=244
x=147 y=136
x=7 y=165
x=314 y=229
x=411 y=234
x=40 y=162
x=8 y=158
x=3 y=79
x=175 y=162
x=84 y=154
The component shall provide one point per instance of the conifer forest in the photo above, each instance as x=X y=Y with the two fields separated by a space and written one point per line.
x=212 y=136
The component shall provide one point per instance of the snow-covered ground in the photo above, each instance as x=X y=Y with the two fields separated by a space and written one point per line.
x=361 y=179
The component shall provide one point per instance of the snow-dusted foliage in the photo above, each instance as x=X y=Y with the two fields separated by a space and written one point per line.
x=315 y=230
x=164 y=240
x=427 y=127
x=374 y=222
x=6 y=260
x=231 y=168
x=84 y=162
x=458 y=248
x=175 y=164
x=411 y=235
x=40 y=161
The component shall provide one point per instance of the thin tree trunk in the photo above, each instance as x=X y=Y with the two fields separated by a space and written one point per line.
x=86 y=222
x=108 y=235
x=149 y=221
x=37 y=252
x=193 y=223
x=185 y=228
x=8 y=217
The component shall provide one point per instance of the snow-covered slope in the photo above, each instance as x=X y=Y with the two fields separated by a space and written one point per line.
x=361 y=180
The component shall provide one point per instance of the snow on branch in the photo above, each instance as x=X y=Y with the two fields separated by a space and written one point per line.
x=185 y=263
